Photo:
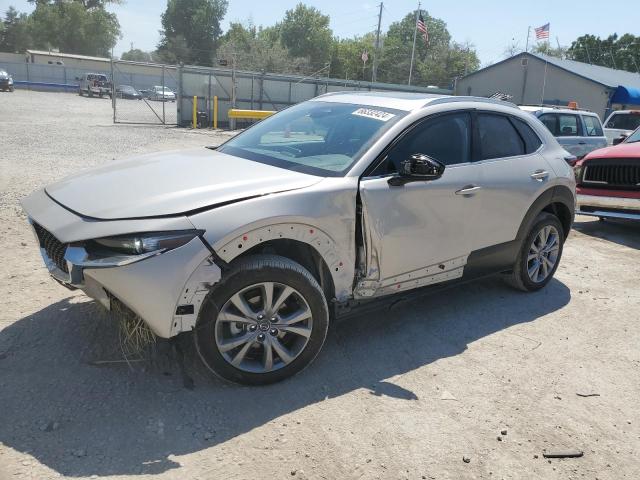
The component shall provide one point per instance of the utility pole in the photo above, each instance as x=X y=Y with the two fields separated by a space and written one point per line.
x=374 y=71
x=526 y=48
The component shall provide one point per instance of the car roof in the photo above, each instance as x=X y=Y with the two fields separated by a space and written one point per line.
x=406 y=101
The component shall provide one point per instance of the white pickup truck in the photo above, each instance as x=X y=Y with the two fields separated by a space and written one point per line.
x=621 y=123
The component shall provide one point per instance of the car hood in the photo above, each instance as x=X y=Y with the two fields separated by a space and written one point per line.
x=625 y=150
x=171 y=183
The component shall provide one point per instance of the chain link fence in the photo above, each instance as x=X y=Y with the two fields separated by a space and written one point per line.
x=258 y=91
x=144 y=93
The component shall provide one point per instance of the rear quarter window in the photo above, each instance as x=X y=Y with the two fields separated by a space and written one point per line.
x=592 y=125
x=531 y=139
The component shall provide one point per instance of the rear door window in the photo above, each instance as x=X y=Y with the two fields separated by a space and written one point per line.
x=498 y=137
x=624 y=121
x=592 y=126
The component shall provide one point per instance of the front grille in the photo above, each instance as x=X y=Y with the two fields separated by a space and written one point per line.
x=55 y=248
x=623 y=173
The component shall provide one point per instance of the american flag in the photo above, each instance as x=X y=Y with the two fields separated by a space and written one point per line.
x=423 y=28
x=542 y=32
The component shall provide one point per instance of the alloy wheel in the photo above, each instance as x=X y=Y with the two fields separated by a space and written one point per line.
x=543 y=254
x=263 y=327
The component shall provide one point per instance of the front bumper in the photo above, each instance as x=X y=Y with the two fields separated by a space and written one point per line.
x=608 y=207
x=152 y=287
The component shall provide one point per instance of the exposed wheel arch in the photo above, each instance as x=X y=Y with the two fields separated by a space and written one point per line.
x=299 y=252
x=301 y=242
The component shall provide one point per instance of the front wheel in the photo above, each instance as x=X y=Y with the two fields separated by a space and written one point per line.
x=265 y=321
x=539 y=254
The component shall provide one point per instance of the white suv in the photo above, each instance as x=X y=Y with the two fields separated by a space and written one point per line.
x=620 y=124
x=578 y=131
x=333 y=204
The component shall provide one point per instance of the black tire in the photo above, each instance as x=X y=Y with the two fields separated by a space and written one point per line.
x=519 y=278
x=80 y=92
x=90 y=93
x=250 y=271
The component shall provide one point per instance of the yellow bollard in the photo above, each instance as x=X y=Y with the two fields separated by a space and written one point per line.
x=195 y=112
x=215 y=111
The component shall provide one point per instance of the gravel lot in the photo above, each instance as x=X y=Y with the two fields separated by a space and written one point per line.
x=400 y=394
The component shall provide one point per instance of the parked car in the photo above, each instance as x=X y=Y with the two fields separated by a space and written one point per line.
x=578 y=131
x=6 y=81
x=620 y=124
x=254 y=246
x=94 y=84
x=163 y=94
x=609 y=181
x=128 y=92
x=146 y=92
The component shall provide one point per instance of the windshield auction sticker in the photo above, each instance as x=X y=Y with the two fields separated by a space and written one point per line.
x=375 y=114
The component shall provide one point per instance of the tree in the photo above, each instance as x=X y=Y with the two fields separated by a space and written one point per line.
x=253 y=50
x=437 y=63
x=613 y=52
x=137 y=55
x=191 y=30
x=14 y=32
x=545 y=48
x=305 y=32
x=346 y=58
x=73 y=28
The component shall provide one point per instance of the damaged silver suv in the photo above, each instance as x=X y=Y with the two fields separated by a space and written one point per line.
x=323 y=207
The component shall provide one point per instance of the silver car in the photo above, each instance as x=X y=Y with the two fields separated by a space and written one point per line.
x=335 y=203
x=578 y=131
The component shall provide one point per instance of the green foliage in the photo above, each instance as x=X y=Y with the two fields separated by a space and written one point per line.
x=545 y=48
x=71 y=26
x=615 y=52
x=346 y=58
x=305 y=32
x=137 y=55
x=436 y=63
x=15 y=36
x=252 y=49
x=190 y=31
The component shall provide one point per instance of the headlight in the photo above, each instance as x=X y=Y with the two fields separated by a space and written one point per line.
x=137 y=244
x=577 y=170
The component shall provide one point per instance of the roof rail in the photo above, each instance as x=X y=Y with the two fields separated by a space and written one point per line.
x=471 y=99
x=556 y=107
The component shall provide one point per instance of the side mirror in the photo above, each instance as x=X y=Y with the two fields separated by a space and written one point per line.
x=417 y=168
x=620 y=139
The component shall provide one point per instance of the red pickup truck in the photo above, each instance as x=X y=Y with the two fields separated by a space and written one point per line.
x=608 y=181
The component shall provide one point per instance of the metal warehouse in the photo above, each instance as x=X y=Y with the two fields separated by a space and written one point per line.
x=537 y=79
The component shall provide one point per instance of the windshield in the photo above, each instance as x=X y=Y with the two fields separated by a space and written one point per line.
x=624 y=121
x=320 y=138
x=634 y=137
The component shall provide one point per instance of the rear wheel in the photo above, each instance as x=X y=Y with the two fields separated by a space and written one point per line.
x=539 y=254
x=267 y=320
x=80 y=91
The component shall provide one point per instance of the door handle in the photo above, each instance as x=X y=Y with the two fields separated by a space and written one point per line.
x=582 y=143
x=540 y=175
x=468 y=190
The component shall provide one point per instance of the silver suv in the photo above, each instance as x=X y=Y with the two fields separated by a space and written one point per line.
x=578 y=131
x=337 y=202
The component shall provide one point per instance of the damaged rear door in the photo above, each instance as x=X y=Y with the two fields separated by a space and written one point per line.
x=417 y=234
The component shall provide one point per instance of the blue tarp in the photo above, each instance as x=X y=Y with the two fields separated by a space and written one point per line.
x=626 y=95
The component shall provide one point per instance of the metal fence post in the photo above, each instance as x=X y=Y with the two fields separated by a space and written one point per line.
x=113 y=92
x=209 y=117
x=163 y=97
x=179 y=106
x=261 y=91
x=28 y=85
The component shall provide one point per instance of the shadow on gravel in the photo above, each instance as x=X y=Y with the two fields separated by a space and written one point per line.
x=623 y=232
x=81 y=420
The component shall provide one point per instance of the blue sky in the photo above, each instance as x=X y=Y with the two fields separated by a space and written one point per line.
x=491 y=25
